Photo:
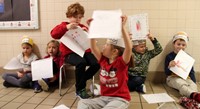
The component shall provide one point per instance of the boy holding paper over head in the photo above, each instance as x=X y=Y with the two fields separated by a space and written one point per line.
x=114 y=60
x=75 y=12
x=142 y=57
x=186 y=87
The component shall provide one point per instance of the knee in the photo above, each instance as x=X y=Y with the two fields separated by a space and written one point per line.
x=4 y=76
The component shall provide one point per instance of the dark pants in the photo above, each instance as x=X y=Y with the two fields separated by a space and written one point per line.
x=82 y=75
x=13 y=79
x=134 y=82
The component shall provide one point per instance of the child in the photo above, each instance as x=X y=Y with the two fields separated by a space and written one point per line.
x=142 y=56
x=114 y=61
x=22 y=78
x=186 y=87
x=52 y=50
x=75 y=13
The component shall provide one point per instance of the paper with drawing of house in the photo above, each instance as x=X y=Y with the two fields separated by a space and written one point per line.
x=184 y=64
x=76 y=40
x=13 y=64
x=42 y=69
x=138 y=26
x=106 y=24
x=157 y=98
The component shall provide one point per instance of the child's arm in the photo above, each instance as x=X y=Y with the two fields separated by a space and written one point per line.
x=58 y=31
x=95 y=50
x=127 y=42
x=157 y=46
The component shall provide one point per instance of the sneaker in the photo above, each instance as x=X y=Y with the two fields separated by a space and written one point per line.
x=142 y=89
x=37 y=90
x=82 y=94
x=6 y=84
x=43 y=84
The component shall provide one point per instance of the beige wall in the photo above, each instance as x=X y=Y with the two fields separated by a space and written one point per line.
x=166 y=17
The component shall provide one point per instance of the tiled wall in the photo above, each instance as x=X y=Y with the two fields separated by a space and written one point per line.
x=166 y=17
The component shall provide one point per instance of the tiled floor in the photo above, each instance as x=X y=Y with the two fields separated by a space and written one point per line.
x=17 y=98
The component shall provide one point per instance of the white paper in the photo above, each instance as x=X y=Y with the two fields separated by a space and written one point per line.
x=138 y=26
x=106 y=24
x=13 y=64
x=76 y=40
x=42 y=69
x=62 y=106
x=157 y=98
x=185 y=63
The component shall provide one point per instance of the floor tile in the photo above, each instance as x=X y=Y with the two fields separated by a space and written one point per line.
x=35 y=100
x=8 y=98
x=21 y=99
x=44 y=107
x=11 y=105
x=27 y=106
x=50 y=101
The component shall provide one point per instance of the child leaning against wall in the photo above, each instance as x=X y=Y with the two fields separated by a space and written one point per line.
x=186 y=87
x=22 y=78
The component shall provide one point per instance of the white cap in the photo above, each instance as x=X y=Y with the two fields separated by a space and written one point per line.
x=117 y=42
x=181 y=35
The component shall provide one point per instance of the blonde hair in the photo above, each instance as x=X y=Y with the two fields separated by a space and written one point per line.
x=57 y=45
x=74 y=10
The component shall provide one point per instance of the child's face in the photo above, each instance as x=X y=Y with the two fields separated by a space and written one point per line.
x=75 y=19
x=26 y=49
x=52 y=49
x=141 y=48
x=107 y=50
x=179 y=44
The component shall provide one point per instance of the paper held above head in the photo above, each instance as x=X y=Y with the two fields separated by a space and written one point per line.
x=138 y=26
x=76 y=40
x=184 y=64
x=13 y=64
x=106 y=24
x=157 y=98
x=42 y=69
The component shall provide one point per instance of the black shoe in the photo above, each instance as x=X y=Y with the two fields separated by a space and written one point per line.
x=6 y=84
x=82 y=94
x=37 y=90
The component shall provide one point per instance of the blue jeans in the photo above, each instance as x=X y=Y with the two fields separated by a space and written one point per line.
x=134 y=82
x=14 y=80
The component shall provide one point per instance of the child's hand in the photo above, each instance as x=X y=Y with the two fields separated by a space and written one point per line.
x=150 y=36
x=172 y=64
x=89 y=21
x=20 y=74
x=124 y=19
x=72 y=26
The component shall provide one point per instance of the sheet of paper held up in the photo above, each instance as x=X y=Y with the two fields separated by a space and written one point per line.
x=76 y=40
x=157 y=98
x=138 y=26
x=62 y=106
x=184 y=64
x=42 y=69
x=106 y=24
x=13 y=64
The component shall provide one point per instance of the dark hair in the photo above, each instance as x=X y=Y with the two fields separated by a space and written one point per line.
x=75 y=9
